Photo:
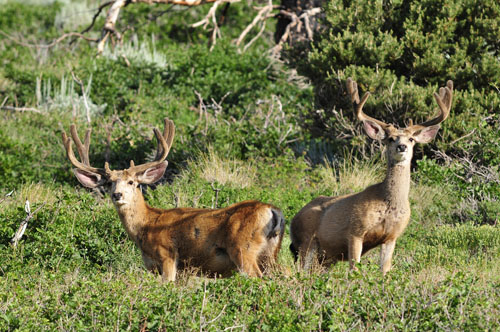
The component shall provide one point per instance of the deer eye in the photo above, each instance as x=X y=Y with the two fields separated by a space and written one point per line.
x=412 y=140
x=131 y=182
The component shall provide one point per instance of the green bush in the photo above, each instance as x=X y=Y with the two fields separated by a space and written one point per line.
x=402 y=52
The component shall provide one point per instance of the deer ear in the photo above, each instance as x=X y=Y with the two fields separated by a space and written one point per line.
x=373 y=130
x=426 y=135
x=89 y=179
x=153 y=174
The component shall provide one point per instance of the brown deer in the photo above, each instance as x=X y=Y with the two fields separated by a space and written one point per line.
x=245 y=236
x=336 y=228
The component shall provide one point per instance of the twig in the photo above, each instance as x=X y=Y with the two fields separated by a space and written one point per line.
x=21 y=109
x=85 y=102
x=465 y=136
x=216 y=190
x=22 y=228
x=99 y=10
x=7 y=196
x=262 y=16
x=176 y=200
x=296 y=21
x=53 y=43
x=211 y=17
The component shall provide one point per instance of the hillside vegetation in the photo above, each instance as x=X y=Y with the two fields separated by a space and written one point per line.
x=252 y=127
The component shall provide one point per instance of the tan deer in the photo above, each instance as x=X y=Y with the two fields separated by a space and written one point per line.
x=346 y=227
x=245 y=236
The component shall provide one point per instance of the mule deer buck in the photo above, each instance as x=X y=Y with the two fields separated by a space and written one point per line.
x=245 y=236
x=336 y=228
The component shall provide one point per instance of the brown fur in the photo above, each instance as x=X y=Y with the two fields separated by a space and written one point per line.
x=217 y=242
x=245 y=236
x=346 y=227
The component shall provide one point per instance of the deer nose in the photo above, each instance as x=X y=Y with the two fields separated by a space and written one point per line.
x=401 y=148
x=116 y=196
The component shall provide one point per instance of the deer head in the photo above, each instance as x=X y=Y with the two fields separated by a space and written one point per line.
x=124 y=183
x=400 y=142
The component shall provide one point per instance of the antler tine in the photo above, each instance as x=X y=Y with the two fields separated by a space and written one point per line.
x=444 y=100
x=168 y=134
x=164 y=145
x=352 y=88
x=82 y=151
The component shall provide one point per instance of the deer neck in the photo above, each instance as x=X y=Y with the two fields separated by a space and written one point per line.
x=396 y=185
x=135 y=215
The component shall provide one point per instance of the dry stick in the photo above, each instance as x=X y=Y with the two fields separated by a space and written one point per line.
x=20 y=231
x=7 y=196
x=262 y=15
x=82 y=87
x=53 y=43
x=296 y=21
x=216 y=190
x=99 y=10
x=465 y=136
x=117 y=5
x=4 y=101
x=21 y=109
x=211 y=16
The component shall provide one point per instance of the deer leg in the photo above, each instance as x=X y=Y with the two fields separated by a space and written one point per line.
x=354 y=251
x=150 y=264
x=168 y=264
x=386 y=250
x=245 y=262
x=169 y=269
x=308 y=254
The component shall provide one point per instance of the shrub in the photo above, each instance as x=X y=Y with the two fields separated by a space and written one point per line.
x=402 y=51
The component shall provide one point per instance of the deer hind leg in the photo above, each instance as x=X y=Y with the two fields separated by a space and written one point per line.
x=386 y=251
x=246 y=262
x=354 y=251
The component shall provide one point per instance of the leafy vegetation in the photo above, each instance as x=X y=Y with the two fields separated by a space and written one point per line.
x=246 y=125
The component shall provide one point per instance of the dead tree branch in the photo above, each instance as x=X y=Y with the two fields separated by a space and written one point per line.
x=296 y=21
x=263 y=14
x=22 y=227
x=21 y=109
x=51 y=44
x=85 y=102
x=7 y=196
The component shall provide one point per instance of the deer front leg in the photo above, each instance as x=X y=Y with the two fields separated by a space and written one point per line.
x=168 y=264
x=308 y=254
x=355 y=248
x=386 y=250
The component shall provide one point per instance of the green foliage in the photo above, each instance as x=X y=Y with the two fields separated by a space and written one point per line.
x=402 y=51
x=76 y=269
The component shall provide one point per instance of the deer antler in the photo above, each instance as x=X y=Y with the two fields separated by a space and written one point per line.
x=352 y=88
x=83 y=151
x=164 y=144
x=444 y=99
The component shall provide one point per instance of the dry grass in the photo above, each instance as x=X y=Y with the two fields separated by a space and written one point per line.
x=349 y=176
x=225 y=172
x=36 y=193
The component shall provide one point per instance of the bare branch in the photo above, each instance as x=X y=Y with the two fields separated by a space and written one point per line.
x=53 y=43
x=21 y=109
x=262 y=16
x=85 y=102
x=22 y=227
x=296 y=21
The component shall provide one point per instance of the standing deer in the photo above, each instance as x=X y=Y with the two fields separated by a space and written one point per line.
x=336 y=228
x=245 y=236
